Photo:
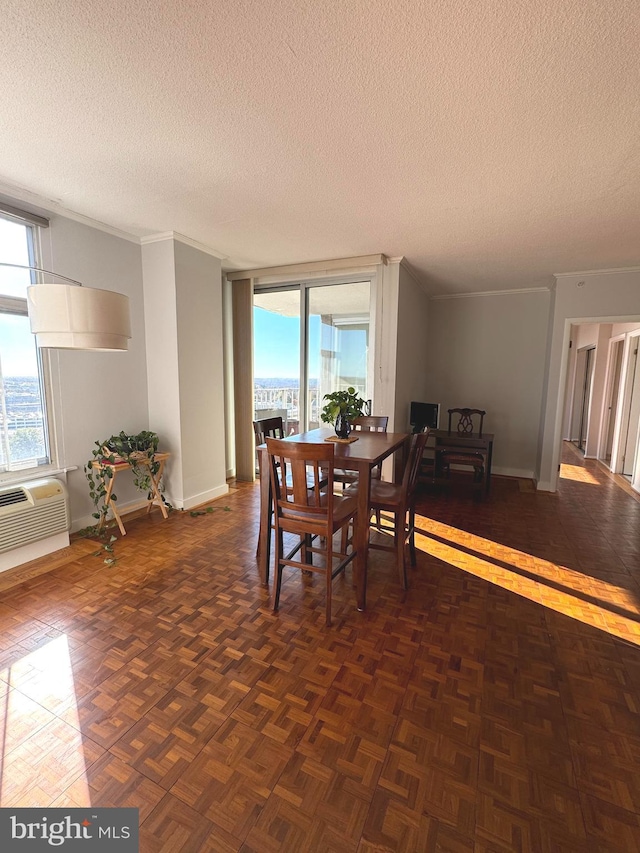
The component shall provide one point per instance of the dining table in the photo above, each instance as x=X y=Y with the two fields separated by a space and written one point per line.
x=361 y=456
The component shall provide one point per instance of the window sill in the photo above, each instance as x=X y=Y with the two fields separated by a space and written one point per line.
x=27 y=474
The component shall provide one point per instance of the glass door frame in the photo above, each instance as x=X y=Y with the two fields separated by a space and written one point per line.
x=305 y=285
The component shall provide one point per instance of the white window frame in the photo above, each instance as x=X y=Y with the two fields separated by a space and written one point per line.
x=18 y=306
x=304 y=285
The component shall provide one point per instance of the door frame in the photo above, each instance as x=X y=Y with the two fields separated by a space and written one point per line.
x=607 y=414
x=304 y=284
x=582 y=395
x=632 y=341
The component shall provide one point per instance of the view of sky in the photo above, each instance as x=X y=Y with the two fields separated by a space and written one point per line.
x=17 y=344
x=277 y=346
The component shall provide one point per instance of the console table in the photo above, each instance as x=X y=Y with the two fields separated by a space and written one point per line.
x=154 y=500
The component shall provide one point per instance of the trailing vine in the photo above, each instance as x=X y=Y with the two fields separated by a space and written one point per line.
x=132 y=449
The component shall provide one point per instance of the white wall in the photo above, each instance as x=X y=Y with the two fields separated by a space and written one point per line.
x=96 y=394
x=183 y=306
x=163 y=395
x=608 y=296
x=580 y=337
x=488 y=352
x=201 y=374
x=385 y=322
x=411 y=356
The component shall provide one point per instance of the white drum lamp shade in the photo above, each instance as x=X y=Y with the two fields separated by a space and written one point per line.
x=70 y=317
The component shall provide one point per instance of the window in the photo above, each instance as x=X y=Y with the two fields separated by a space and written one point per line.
x=309 y=339
x=23 y=422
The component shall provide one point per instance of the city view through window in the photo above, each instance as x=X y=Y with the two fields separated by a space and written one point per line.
x=335 y=338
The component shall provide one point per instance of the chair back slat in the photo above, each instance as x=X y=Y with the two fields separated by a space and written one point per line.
x=412 y=468
x=466 y=419
x=302 y=480
x=371 y=423
x=268 y=428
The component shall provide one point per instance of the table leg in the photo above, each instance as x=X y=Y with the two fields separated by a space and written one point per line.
x=155 y=490
x=361 y=535
x=489 y=455
x=264 y=536
x=109 y=503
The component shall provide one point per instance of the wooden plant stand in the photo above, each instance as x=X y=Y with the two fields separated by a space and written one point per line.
x=156 y=497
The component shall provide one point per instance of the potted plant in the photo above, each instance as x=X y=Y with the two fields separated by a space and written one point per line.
x=341 y=409
x=130 y=448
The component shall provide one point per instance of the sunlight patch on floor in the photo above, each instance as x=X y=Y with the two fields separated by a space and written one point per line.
x=551 y=585
x=577 y=473
x=41 y=754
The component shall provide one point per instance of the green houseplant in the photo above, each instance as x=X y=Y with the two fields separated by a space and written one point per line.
x=341 y=409
x=123 y=447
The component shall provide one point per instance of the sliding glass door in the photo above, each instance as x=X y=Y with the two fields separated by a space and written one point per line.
x=276 y=356
x=309 y=339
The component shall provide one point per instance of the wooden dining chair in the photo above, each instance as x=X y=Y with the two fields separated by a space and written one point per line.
x=268 y=428
x=464 y=422
x=310 y=510
x=364 y=423
x=398 y=499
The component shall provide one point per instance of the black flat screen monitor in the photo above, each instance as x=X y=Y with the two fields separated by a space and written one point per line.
x=424 y=415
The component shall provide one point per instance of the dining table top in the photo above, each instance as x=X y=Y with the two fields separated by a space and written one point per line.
x=369 y=447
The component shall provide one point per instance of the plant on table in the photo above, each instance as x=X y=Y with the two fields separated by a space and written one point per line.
x=342 y=408
x=138 y=451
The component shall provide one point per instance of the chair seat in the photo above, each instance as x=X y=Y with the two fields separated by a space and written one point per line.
x=399 y=500
x=347 y=477
x=455 y=457
x=383 y=495
x=344 y=506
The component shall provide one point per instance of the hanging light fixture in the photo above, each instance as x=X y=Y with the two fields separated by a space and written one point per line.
x=71 y=316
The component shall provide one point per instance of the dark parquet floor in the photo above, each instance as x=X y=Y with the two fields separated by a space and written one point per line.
x=493 y=707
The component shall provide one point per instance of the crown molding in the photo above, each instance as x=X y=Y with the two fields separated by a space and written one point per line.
x=406 y=266
x=310 y=267
x=181 y=238
x=612 y=271
x=492 y=293
x=44 y=206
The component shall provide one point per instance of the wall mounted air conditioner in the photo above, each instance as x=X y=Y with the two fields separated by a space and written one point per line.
x=32 y=511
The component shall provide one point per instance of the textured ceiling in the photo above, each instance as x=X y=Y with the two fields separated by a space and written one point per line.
x=490 y=143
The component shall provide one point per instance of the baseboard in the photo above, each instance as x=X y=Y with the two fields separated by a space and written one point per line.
x=522 y=473
x=33 y=551
x=47 y=563
x=205 y=497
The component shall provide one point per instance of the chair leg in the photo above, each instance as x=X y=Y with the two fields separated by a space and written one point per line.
x=344 y=539
x=329 y=565
x=412 y=536
x=399 y=537
x=278 y=569
x=306 y=549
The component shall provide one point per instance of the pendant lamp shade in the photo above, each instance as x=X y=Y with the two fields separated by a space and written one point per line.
x=69 y=317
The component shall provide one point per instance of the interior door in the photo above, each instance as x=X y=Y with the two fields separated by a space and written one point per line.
x=630 y=433
x=617 y=350
x=582 y=396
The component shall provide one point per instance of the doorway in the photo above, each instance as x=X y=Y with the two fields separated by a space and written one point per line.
x=616 y=352
x=631 y=413
x=585 y=362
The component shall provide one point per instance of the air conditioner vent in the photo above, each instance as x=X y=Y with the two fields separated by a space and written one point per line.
x=15 y=496
x=32 y=511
